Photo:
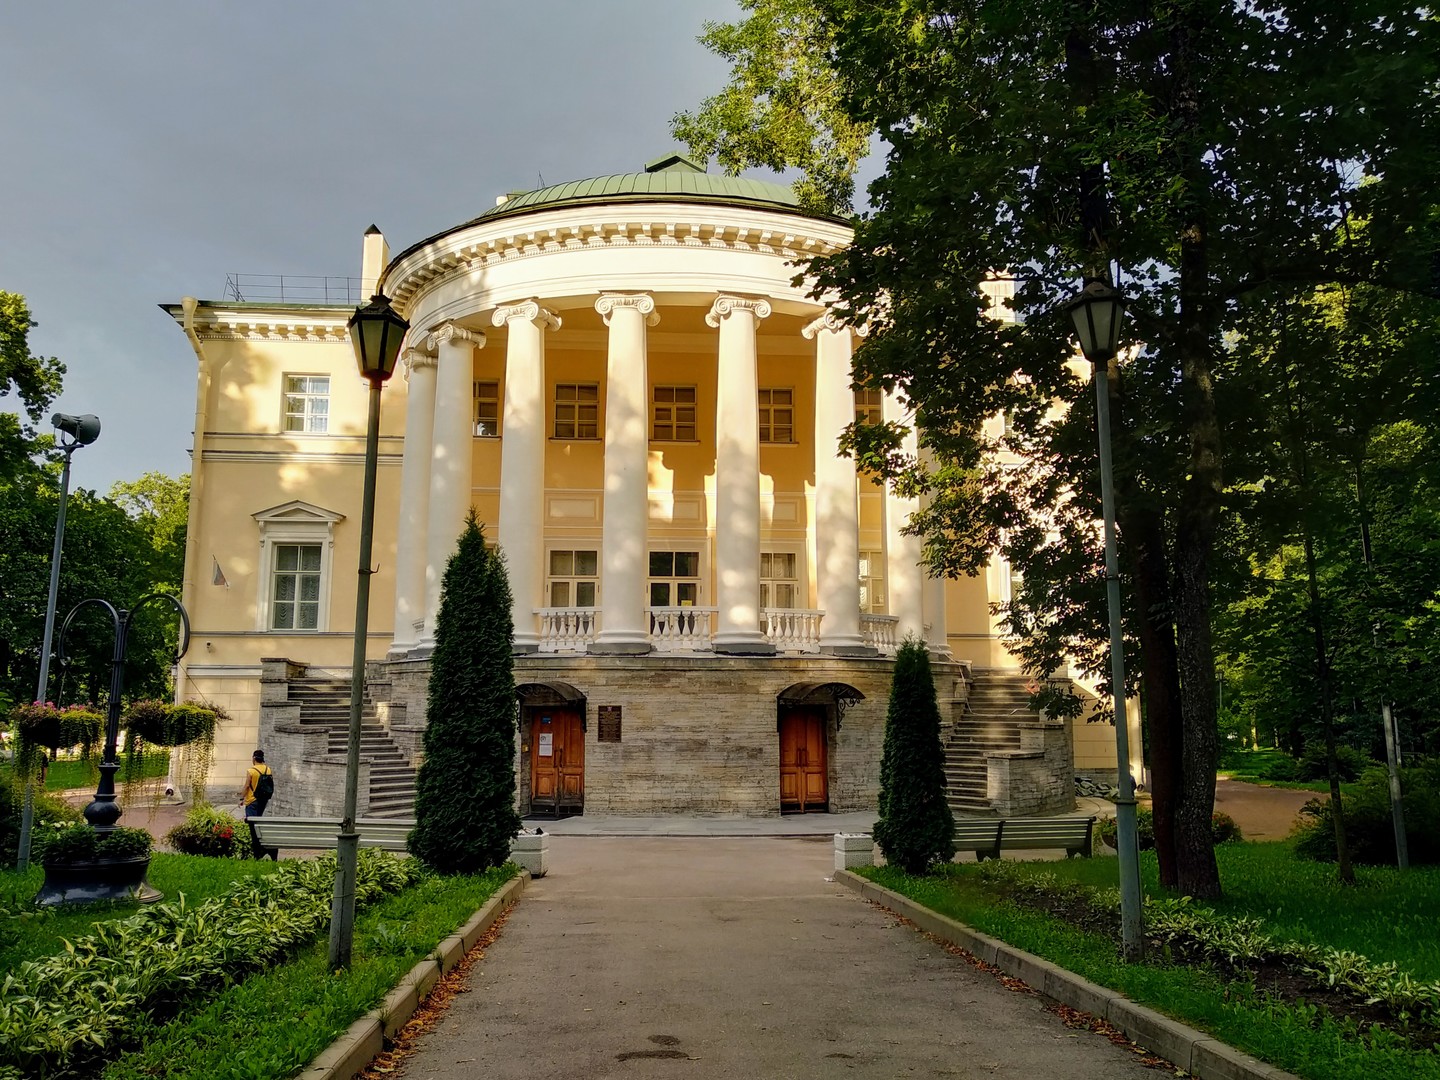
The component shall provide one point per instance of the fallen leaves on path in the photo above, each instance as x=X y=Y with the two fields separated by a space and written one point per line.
x=433 y=1008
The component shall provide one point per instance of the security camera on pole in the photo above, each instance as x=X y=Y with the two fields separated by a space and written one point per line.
x=83 y=430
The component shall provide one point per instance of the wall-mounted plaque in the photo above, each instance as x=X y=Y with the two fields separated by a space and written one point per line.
x=609 y=719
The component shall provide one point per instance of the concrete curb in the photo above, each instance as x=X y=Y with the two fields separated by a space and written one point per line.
x=1194 y=1051
x=365 y=1038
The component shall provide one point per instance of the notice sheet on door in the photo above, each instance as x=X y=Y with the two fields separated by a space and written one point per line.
x=547 y=744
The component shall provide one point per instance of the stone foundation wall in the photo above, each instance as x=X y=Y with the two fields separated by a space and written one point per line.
x=1036 y=779
x=699 y=734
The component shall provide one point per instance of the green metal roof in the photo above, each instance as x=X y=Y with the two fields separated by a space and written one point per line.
x=672 y=178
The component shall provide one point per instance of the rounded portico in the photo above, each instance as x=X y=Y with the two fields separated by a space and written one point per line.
x=623 y=378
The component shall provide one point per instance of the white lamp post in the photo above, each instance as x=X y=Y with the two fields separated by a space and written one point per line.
x=376 y=331
x=1097 y=313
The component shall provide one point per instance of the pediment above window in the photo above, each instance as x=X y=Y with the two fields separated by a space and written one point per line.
x=297 y=512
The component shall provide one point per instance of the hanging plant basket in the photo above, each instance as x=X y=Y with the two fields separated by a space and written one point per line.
x=45 y=726
x=150 y=724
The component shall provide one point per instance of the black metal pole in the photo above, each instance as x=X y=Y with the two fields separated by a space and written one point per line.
x=342 y=910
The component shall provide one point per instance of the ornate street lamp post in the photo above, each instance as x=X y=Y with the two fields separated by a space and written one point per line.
x=83 y=430
x=1097 y=313
x=376 y=331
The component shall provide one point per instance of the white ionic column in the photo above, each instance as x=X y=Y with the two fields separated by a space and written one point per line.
x=522 y=463
x=837 y=513
x=414 y=522
x=624 y=561
x=904 y=576
x=737 y=477
x=937 y=638
x=452 y=448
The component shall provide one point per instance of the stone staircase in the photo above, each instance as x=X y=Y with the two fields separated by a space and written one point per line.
x=325 y=703
x=997 y=707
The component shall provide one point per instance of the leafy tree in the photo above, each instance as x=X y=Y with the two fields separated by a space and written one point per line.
x=465 y=812
x=1212 y=152
x=161 y=506
x=35 y=380
x=916 y=827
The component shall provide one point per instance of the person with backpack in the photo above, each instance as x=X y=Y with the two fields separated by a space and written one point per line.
x=254 y=797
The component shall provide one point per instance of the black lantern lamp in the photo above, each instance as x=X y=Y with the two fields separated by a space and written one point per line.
x=1097 y=313
x=376 y=331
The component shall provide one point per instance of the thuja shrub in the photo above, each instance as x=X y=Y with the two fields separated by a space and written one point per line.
x=64 y=1013
x=916 y=828
x=465 y=793
x=207 y=831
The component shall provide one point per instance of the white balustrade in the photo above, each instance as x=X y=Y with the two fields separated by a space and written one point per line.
x=792 y=630
x=567 y=630
x=880 y=632
x=680 y=629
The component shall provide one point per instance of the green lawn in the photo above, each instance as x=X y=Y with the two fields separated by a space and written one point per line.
x=67 y=774
x=1249 y=765
x=1387 y=916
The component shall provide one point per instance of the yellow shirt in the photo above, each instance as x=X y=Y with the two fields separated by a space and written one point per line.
x=252 y=777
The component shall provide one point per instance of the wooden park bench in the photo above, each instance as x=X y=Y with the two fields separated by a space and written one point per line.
x=321 y=833
x=529 y=850
x=987 y=837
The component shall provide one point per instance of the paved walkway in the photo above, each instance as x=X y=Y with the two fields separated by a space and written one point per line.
x=734 y=957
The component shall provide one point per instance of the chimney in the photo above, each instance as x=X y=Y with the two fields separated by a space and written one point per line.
x=373 y=262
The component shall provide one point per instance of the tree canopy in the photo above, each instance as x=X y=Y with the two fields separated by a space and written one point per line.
x=1209 y=158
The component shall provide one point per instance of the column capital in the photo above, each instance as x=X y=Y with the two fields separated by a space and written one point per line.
x=833 y=323
x=529 y=310
x=641 y=302
x=448 y=331
x=418 y=358
x=725 y=304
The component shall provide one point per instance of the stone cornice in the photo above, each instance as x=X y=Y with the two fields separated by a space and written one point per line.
x=222 y=323
x=449 y=331
x=681 y=225
x=641 y=302
x=529 y=310
x=725 y=305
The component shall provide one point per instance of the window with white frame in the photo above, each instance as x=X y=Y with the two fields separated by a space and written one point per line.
x=779 y=581
x=487 y=408
x=777 y=415
x=673 y=414
x=674 y=578
x=872 y=583
x=295 y=587
x=867 y=407
x=296 y=542
x=577 y=411
x=574 y=578
x=307 y=403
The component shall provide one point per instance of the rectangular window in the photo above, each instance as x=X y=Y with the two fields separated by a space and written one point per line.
x=867 y=407
x=487 y=409
x=573 y=578
x=307 y=403
x=673 y=413
x=674 y=578
x=872 y=583
x=777 y=415
x=778 y=583
x=577 y=411
x=295 y=596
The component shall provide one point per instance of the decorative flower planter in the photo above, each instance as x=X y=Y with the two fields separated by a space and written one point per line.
x=95 y=880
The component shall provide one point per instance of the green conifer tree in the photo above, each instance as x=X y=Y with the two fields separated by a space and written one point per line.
x=465 y=793
x=916 y=828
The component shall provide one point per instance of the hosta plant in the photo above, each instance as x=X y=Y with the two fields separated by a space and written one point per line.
x=64 y=1013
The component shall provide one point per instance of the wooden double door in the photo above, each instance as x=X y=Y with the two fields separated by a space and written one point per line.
x=804 y=767
x=557 y=761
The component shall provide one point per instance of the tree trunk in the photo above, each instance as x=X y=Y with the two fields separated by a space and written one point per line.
x=1156 y=631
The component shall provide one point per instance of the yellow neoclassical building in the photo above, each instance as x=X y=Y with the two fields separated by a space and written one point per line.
x=622 y=379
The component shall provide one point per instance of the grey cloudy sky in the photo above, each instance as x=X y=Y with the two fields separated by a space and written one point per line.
x=151 y=148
